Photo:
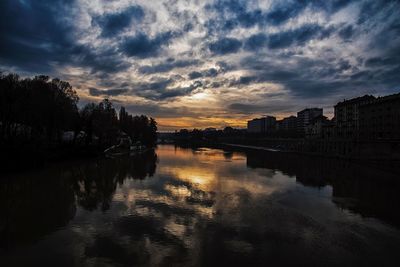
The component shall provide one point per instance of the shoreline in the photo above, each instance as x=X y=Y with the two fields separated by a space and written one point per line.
x=25 y=160
x=392 y=166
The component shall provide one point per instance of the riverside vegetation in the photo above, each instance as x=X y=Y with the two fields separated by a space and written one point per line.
x=40 y=119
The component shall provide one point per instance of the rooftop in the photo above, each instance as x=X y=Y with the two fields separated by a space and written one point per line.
x=356 y=100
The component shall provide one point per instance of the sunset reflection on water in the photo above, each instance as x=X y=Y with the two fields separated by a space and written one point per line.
x=199 y=207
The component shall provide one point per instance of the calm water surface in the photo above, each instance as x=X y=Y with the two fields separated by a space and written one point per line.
x=201 y=207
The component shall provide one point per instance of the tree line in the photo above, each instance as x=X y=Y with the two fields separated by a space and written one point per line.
x=41 y=111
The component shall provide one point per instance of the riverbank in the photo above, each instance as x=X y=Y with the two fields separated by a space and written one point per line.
x=388 y=150
x=253 y=147
x=383 y=164
x=17 y=158
x=380 y=158
x=27 y=157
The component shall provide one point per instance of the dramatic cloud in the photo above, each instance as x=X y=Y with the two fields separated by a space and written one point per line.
x=160 y=91
x=143 y=46
x=251 y=109
x=32 y=36
x=196 y=63
x=347 y=32
x=298 y=36
x=112 y=24
x=109 y=92
x=212 y=72
x=225 y=46
x=167 y=66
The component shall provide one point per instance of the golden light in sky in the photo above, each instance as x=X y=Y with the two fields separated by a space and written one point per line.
x=207 y=63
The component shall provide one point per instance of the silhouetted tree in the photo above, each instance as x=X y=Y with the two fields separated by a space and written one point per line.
x=37 y=108
x=86 y=118
x=139 y=128
x=100 y=121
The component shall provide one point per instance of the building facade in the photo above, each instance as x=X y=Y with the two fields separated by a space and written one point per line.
x=347 y=116
x=256 y=126
x=289 y=123
x=287 y=127
x=364 y=118
x=262 y=125
x=270 y=124
x=305 y=117
x=320 y=128
x=380 y=119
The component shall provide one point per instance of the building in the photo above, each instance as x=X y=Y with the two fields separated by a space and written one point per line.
x=320 y=127
x=287 y=127
x=270 y=124
x=262 y=125
x=278 y=125
x=347 y=116
x=380 y=118
x=328 y=129
x=289 y=123
x=256 y=126
x=304 y=118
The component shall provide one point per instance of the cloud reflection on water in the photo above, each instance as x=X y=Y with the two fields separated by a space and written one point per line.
x=205 y=207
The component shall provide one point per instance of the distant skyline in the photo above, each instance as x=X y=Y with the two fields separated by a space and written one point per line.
x=210 y=63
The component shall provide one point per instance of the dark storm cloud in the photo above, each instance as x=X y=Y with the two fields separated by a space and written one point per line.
x=112 y=24
x=161 y=85
x=304 y=78
x=385 y=61
x=316 y=78
x=388 y=36
x=143 y=46
x=195 y=75
x=346 y=33
x=225 y=46
x=110 y=92
x=298 y=36
x=284 y=11
x=155 y=110
x=234 y=13
x=212 y=72
x=256 y=41
x=167 y=66
x=237 y=10
x=245 y=108
x=381 y=71
x=362 y=75
x=32 y=37
x=385 y=68
x=389 y=78
x=245 y=80
x=308 y=89
x=107 y=61
x=344 y=65
x=158 y=91
x=372 y=8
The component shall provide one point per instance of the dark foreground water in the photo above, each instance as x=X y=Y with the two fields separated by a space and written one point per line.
x=201 y=207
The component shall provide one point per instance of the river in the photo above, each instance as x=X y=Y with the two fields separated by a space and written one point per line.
x=201 y=207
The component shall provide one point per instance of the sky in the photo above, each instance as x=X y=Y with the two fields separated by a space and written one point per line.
x=210 y=63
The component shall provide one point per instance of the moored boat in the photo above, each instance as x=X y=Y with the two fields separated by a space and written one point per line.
x=125 y=146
